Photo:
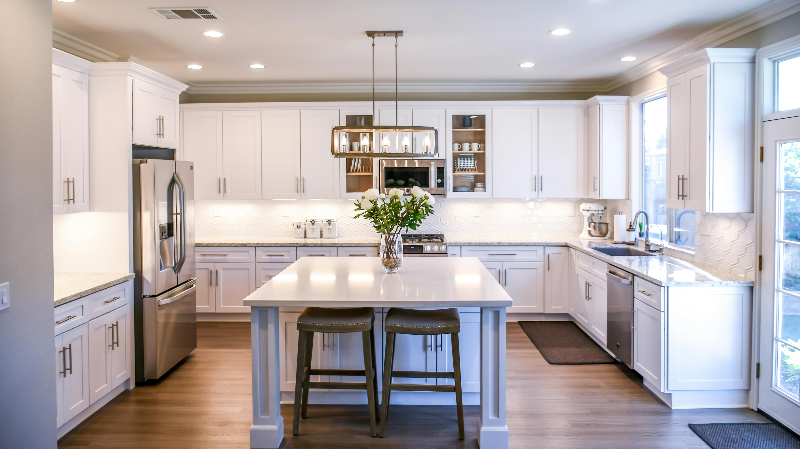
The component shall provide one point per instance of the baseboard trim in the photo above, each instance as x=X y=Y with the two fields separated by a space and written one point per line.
x=86 y=413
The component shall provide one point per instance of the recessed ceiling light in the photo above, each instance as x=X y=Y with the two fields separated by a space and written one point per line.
x=628 y=58
x=214 y=34
x=526 y=64
x=195 y=66
x=256 y=66
x=560 y=32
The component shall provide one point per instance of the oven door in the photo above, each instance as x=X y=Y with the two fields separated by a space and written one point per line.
x=404 y=174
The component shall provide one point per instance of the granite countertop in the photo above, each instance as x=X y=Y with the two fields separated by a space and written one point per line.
x=509 y=240
x=72 y=286
x=366 y=241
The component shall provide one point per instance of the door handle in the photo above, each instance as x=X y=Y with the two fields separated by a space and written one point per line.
x=683 y=188
x=642 y=291
x=505 y=277
x=116 y=340
x=541 y=183
x=110 y=300
x=112 y=336
x=548 y=263
x=216 y=278
x=69 y=347
x=63 y=353
x=533 y=182
x=59 y=322
x=589 y=290
x=296 y=185
x=211 y=278
x=303 y=184
x=594 y=183
x=225 y=185
x=219 y=185
x=176 y=297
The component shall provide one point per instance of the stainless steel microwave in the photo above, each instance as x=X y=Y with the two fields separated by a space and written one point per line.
x=406 y=173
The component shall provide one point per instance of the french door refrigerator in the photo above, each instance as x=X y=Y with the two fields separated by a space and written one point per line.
x=164 y=263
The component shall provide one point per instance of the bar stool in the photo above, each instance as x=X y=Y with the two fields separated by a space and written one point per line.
x=335 y=320
x=421 y=322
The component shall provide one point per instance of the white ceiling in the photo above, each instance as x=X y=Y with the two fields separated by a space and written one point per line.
x=318 y=41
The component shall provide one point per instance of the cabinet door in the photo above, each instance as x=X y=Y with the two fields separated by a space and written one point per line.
x=556 y=280
x=241 y=155
x=677 y=116
x=288 y=336
x=358 y=251
x=70 y=141
x=515 y=157
x=205 y=287
x=60 y=185
x=202 y=144
x=582 y=296
x=593 y=153
x=598 y=308
x=145 y=119
x=648 y=343
x=573 y=283
x=267 y=271
x=59 y=382
x=100 y=342
x=613 y=159
x=76 y=382
x=345 y=351
x=166 y=106
x=319 y=171
x=469 y=342
x=562 y=153
x=121 y=353
x=697 y=135
x=417 y=354
x=316 y=252
x=234 y=282
x=524 y=283
x=496 y=269
x=280 y=154
x=430 y=118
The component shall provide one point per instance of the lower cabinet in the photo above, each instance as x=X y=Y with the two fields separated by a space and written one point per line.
x=267 y=271
x=556 y=280
x=72 y=373
x=109 y=352
x=524 y=283
x=591 y=303
x=648 y=341
x=222 y=287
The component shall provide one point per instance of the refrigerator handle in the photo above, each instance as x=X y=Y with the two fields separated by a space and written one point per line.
x=181 y=216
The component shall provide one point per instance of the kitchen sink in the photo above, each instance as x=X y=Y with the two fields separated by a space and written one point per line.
x=622 y=251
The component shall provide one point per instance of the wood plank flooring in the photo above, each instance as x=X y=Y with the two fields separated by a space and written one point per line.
x=205 y=402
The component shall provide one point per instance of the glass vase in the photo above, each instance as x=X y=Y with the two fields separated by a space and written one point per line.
x=391 y=252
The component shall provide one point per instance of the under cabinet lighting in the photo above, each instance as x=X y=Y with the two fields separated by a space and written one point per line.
x=526 y=64
x=628 y=58
x=214 y=34
x=195 y=66
x=560 y=32
x=256 y=66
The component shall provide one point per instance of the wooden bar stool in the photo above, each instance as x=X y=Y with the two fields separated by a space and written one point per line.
x=335 y=320
x=422 y=322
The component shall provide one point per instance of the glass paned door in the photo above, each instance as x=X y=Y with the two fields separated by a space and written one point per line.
x=779 y=353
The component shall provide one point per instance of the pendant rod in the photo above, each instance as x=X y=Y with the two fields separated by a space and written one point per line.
x=373 y=80
x=396 y=108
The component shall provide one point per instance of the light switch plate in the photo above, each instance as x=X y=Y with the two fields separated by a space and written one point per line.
x=5 y=296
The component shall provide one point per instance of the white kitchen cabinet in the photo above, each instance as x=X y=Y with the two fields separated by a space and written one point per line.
x=241 y=155
x=416 y=353
x=72 y=372
x=358 y=251
x=288 y=337
x=524 y=283
x=469 y=340
x=201 y=143
x=572 y=290
x=581 y=294
x=316 y=252
x=109 y=352
x=233 y=282
x=70 y=141
x=556 y=280
x=515 y=155
x=598 y=308
x=423 y=117
x=155 y=116
x=267 y=271
x=280 y=154
x=496 y=269
x=466 y=168
x=607 y=140
x=206 y=292
x=319 y=170
x=562 y=153
x=122 y=319
x=710 y=131
x=648 y=343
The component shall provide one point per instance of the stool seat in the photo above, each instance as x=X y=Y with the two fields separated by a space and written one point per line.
x=422 y=321
x=336 y=320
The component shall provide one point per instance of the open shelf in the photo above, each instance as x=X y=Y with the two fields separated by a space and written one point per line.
x=466 y=152
x=469 y=129
x=469 y=173
x=360 y=173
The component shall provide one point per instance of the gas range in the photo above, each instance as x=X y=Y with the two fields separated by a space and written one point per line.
x=424 y=245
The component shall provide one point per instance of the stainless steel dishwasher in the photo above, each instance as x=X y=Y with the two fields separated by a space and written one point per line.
x=620 y=316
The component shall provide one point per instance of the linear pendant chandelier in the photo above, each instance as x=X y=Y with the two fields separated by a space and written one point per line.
x=385 y=141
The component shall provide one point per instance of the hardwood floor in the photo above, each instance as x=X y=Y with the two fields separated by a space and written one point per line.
x=205 y=403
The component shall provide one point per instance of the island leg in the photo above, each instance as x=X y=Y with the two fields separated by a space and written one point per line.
x=492 y=428
x=267 y=429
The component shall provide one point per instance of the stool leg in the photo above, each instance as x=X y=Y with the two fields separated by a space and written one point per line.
x=368 y=377
x=374 y=373
x=457 y=379
x=387 y=380
x=309 y=353
x=298 y=388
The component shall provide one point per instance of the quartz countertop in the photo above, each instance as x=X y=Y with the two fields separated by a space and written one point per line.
x=72 y=286
x=354 y=282
x=509 y=240
x=366 y=241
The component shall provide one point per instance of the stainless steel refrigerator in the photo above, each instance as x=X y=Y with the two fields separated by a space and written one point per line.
x=163 y=253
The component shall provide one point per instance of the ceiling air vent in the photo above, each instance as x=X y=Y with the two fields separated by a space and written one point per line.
x=187 y=13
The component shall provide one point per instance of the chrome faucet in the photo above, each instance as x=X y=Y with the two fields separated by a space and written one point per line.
x=649 y=247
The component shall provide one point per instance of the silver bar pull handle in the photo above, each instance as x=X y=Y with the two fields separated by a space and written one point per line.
x=548 y=263
x=303 y=184
x=63 y=353
x=505 y=277
x=66 y=181
x=210 y=278
x=111 y=300
x=541 y=183
x=642 y=291
x=116 y=340
x=69 y=347
x=219 y=185
x=59 y=322
x=216 y=277
x=589 y=290
x=112 y=336
x=213 y=254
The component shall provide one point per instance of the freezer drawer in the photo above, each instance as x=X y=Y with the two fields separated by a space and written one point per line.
x=170 y=328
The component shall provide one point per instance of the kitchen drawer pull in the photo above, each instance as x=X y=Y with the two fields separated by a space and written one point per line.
x=642 y=291
x=316 y=254
x=502 y=254
x=111 y=300
x=357 y=254
x=59 y=322
x=278 y=255
x=213 y=254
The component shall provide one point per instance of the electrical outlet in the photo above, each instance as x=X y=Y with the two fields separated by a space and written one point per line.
x=5 y=296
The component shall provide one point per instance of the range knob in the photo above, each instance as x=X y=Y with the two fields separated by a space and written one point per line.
x=427 y=248
x=444 y=247
x=436 y=248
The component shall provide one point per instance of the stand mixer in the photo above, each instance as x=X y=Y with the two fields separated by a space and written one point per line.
x=592 y=228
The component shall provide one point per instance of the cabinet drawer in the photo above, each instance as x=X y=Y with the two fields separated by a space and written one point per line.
x=225 y=254
x=276 y=254
x=591 y=265
x=504 y=253
x=648 y=293
x=316 y=252
x=69 y=316
x=267 y=271
x=358 y=251
x=453 y=251
x=109 y=299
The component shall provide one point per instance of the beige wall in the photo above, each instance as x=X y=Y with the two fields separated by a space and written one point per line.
x=27 y=359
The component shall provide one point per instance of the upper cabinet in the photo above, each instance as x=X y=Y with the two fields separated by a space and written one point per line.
x=280 y=154
x=607 y=155
x=710 y=131
x=155 y=116
x=319 y=170
x=469 y=162
x=70 y=137
x=562 y=151
x=201 y=142
x=515 y=159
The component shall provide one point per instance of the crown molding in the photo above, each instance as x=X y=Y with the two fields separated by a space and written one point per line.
x=707 y=56
x=74 y=46
x=608 y=100
x=118 y=69
x=752 y=20
x=72 y=62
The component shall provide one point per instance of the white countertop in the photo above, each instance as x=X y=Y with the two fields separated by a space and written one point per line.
x=364 y=241
x=72 y=286
x=354 y=282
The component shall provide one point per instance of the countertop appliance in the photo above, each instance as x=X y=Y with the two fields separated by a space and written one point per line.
x=592 y=228
x=620 y=316
x=406 y=173
x=424 y=245
x=164 y=263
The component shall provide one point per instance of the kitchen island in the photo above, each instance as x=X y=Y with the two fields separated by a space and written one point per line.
x=358 y=282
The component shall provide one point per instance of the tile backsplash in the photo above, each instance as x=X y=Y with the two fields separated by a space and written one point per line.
x=455 y=217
